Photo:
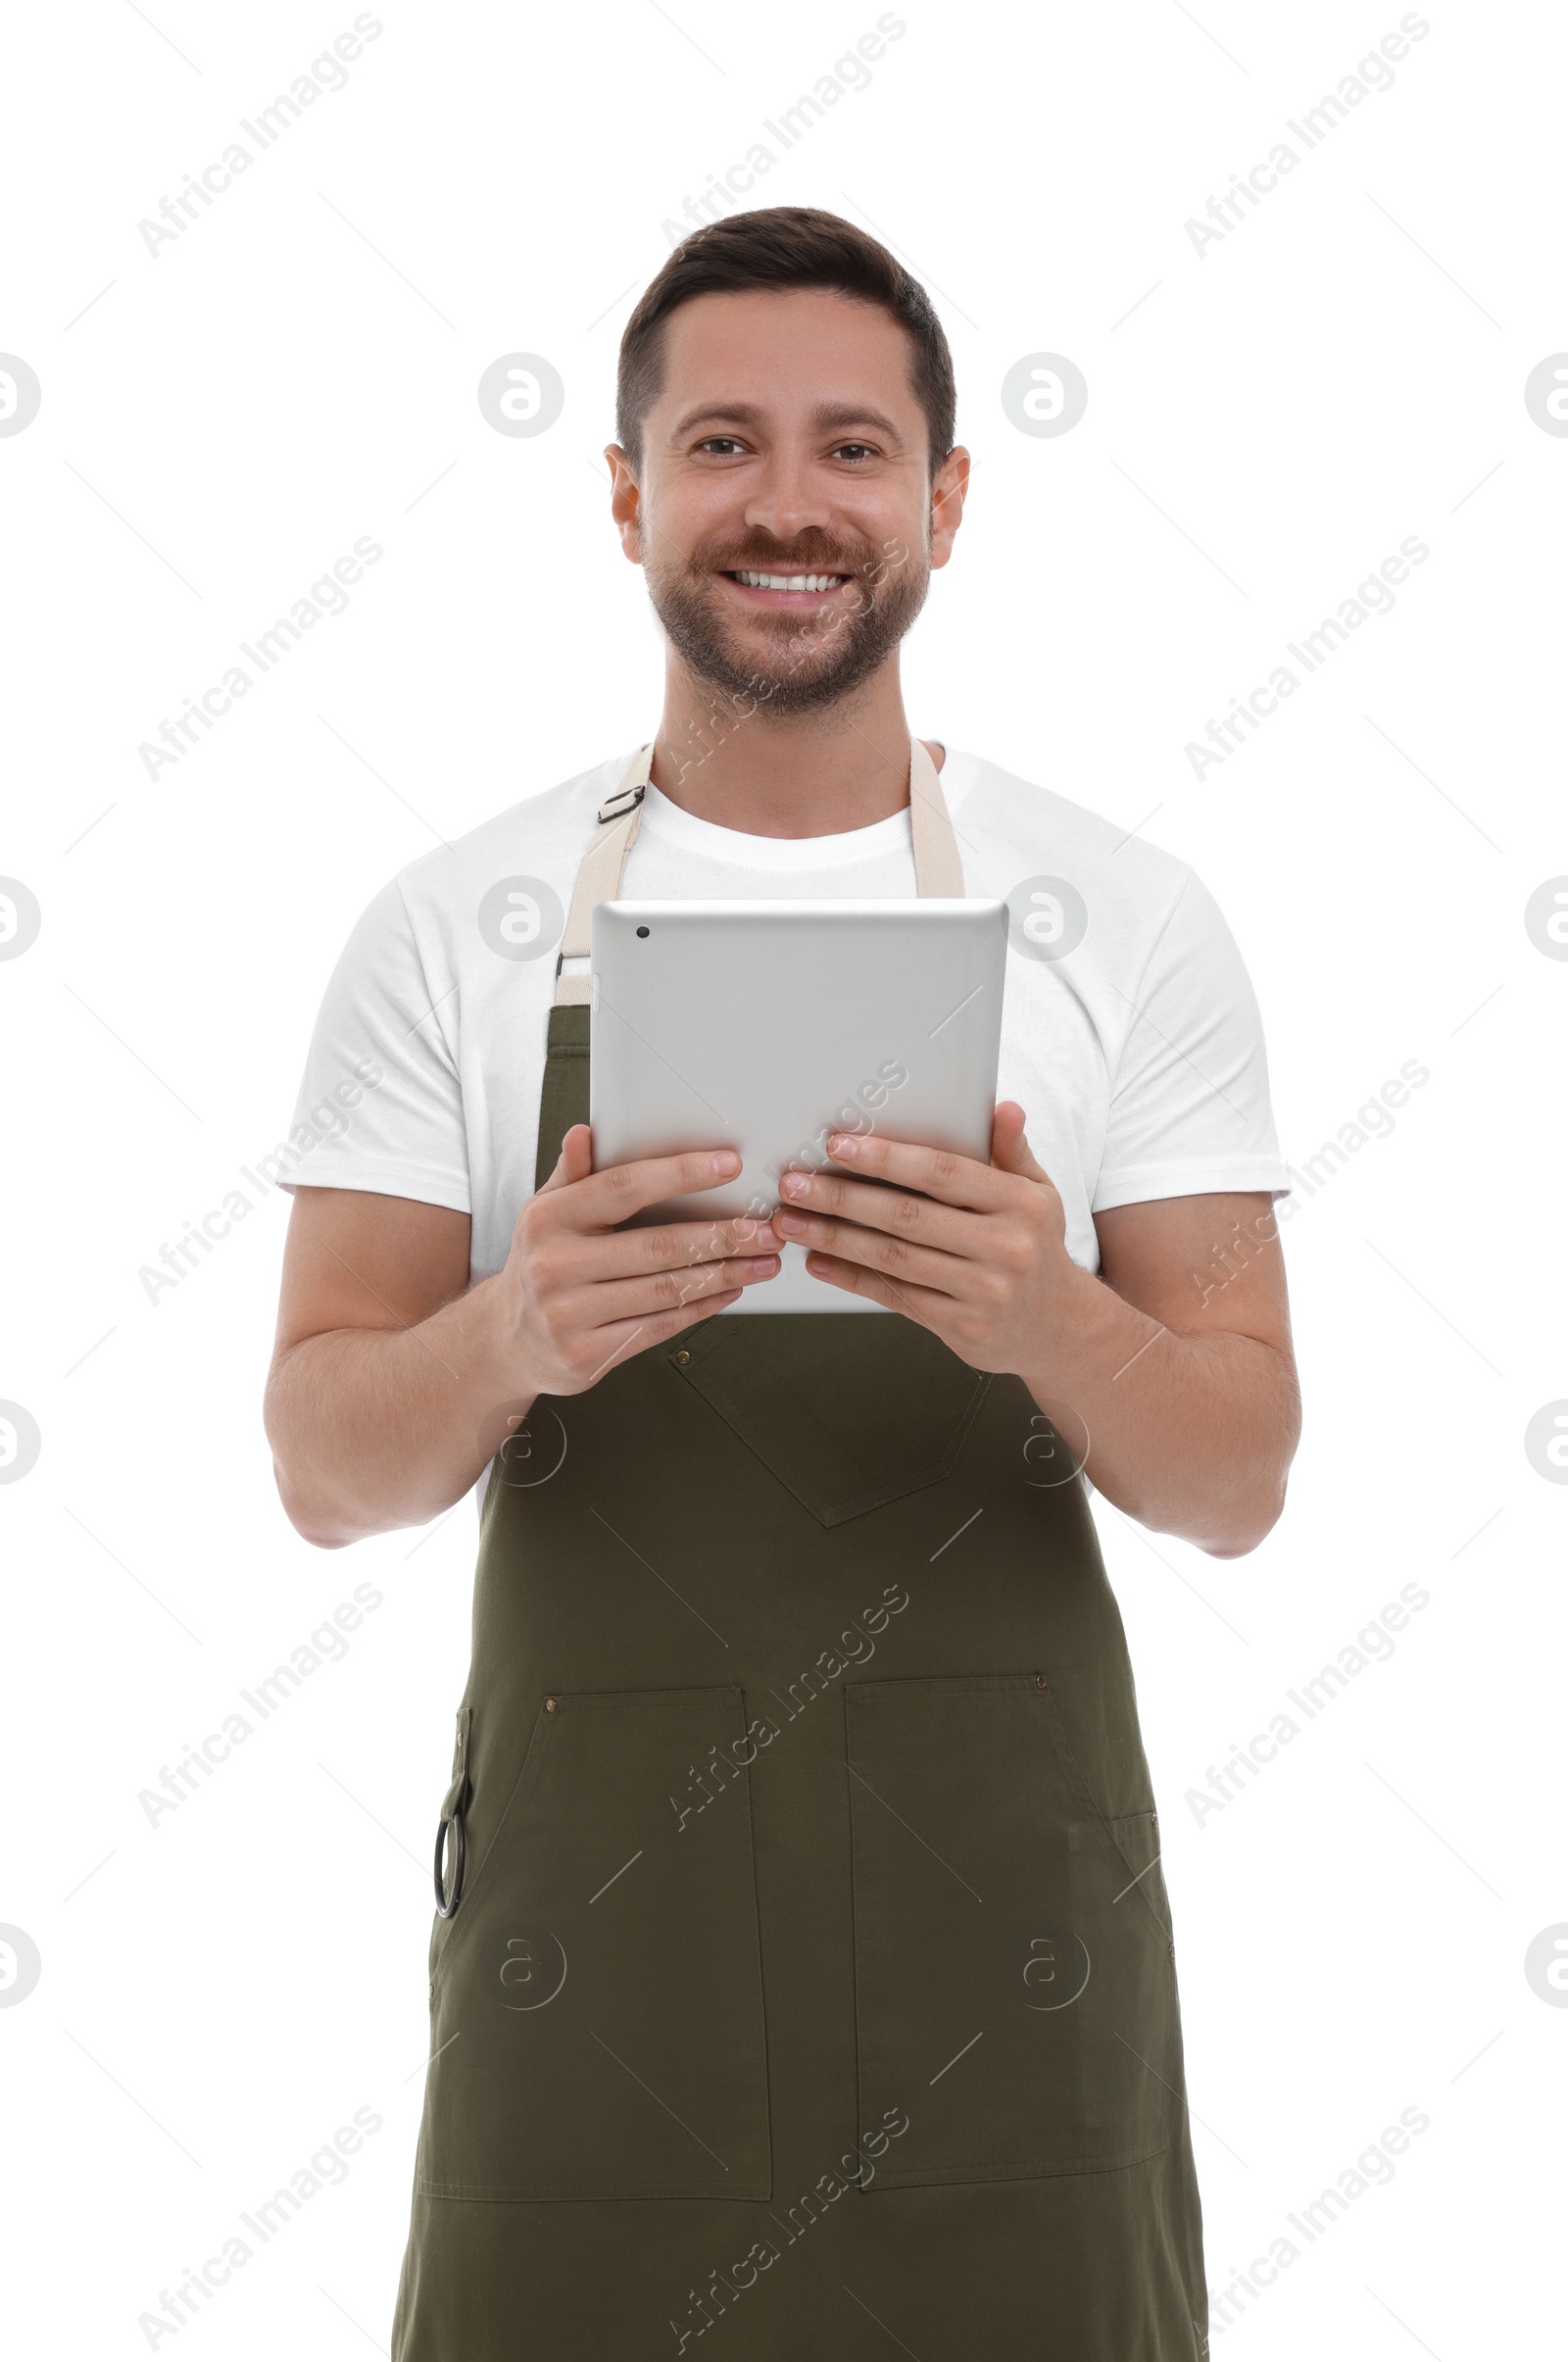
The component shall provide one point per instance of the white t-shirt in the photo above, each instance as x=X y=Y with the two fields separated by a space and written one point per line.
x=1131 y=1036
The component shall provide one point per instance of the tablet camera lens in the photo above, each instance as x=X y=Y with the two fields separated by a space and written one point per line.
x=642 y=930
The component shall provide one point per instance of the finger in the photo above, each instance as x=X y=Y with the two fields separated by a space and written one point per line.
x=953 y=1229
x=896 y=1258
x=952 y=1180
x=669 y=1247
x=621 y=1191
x=640 y=1297
x=1009 y=1147
x=625 y=1337
x=923 y=1305
x=575 y=1160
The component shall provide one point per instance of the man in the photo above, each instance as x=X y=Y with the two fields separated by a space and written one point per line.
x=802 y=1972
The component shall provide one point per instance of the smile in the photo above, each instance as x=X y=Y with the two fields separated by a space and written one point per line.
x=791 y=583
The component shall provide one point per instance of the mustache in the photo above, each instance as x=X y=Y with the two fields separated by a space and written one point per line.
x=816 y=560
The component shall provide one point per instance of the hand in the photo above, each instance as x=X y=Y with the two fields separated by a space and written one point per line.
x=579 y=1294
x=985 y=1265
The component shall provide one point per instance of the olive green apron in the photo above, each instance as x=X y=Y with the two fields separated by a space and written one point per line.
x=802 y=1975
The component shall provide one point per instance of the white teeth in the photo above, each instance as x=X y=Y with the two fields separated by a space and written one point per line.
x=795 y=582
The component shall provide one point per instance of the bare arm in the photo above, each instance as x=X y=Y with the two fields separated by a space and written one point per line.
x=1182 y=1370
x=393 y=1382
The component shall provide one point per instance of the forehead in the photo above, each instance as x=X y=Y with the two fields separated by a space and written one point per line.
x=783 y=353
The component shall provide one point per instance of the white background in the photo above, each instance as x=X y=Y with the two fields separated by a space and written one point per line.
x=1266 y=423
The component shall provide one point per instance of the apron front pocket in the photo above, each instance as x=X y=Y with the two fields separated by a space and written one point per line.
x=849 y=1410
x=1015 y=2008
x=596 y=2000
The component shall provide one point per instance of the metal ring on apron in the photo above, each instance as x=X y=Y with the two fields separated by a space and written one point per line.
x=444 y=1908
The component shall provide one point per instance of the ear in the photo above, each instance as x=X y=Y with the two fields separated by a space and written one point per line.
x=625 y=502
x=948 y=489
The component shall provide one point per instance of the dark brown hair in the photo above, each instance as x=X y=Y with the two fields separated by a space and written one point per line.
x=783 y=246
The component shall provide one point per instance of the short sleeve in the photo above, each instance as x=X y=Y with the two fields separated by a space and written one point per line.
x=380 y=1106
x=1189 y=1109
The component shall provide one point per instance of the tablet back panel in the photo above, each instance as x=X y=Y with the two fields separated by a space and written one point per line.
x=763 y=1026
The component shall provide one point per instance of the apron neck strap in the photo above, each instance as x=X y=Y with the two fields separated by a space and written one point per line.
x=938 y=870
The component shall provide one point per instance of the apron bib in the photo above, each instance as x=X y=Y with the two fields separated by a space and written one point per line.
x=803 y=1972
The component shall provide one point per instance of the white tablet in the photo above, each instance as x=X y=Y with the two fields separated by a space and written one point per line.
x=763 y=1027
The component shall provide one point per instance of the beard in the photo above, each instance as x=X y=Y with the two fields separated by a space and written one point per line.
x=806 y=662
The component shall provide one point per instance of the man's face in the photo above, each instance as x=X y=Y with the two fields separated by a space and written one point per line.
x=787 y=442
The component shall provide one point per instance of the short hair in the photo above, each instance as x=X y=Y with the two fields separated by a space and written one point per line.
x=784 y=246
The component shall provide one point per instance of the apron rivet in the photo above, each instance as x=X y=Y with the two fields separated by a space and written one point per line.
x=550 y=1706
x=682 y=1358
x=1039 y=1681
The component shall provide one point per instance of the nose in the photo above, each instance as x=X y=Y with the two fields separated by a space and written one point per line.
x=786 y=500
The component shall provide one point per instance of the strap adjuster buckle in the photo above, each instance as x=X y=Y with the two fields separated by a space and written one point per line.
x=623 y=801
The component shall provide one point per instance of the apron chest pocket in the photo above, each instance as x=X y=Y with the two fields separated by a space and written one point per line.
x=596 y=1998
x=1014 y=1993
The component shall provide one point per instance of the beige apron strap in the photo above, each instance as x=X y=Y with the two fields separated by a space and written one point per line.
x=938 y=870
x=599 y=879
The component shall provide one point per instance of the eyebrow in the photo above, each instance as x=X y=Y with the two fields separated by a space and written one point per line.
x=827 y=415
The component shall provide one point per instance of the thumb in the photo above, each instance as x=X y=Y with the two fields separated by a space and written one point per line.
x=1010 y=1148
x=576 y=1158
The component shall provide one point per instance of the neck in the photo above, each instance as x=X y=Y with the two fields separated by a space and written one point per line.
x=792 y=775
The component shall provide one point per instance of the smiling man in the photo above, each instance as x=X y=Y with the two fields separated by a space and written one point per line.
x=798 y=1862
